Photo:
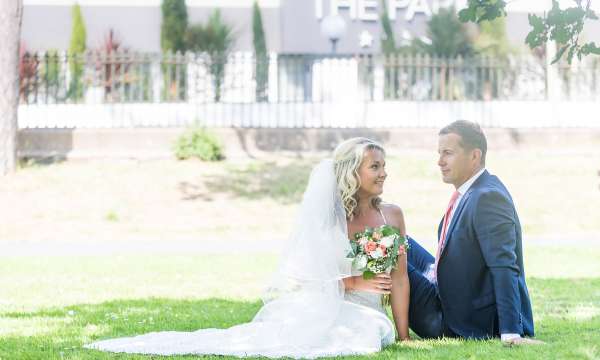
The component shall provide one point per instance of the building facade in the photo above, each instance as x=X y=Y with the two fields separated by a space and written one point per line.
x=291 y=26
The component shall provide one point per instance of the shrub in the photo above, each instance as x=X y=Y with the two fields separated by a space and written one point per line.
x=28 y=72
x=201 y=144
x=51 y=69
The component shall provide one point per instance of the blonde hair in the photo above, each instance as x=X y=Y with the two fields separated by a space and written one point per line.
x=347 y=158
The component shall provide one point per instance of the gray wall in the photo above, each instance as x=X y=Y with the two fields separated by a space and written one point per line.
x=292 y=28
x=49 y=27
x=301 y=29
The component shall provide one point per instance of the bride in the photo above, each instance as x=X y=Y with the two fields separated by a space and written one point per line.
x=316 y=305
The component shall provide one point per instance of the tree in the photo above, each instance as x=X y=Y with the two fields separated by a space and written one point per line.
x=260 y=54
x=172 y=39
x=561 y=25
x=174 y=25
x=11 y=13
x=492 y=39
x=216 y=39
x=388 y=42
x=448 y=36
x=389 y=50
x=76 y=50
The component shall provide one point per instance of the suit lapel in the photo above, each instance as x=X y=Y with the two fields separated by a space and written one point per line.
x=460 y=208
x=455 y=218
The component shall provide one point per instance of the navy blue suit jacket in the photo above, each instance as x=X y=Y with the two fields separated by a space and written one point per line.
x=481 y=281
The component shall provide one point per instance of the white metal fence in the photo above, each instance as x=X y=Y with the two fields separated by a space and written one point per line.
x=122 y=89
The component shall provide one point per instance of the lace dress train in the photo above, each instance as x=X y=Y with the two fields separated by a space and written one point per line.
x=360 y=327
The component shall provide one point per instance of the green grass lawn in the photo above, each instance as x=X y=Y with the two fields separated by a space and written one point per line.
x=51 y=306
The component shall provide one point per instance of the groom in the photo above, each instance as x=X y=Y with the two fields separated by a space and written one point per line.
x=475 y=286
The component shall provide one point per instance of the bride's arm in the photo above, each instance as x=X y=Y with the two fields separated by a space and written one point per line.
x=380 y=284
x=348 y=283
x=400 y=297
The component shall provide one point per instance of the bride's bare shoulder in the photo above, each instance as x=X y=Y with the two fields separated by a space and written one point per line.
x=391 y=209
x=394 y=215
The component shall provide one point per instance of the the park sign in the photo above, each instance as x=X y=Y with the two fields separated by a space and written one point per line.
x=369 y=10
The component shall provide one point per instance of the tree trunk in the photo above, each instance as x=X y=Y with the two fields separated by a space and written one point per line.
x=11 y=12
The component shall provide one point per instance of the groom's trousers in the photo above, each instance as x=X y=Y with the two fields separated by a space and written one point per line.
x=425 y=312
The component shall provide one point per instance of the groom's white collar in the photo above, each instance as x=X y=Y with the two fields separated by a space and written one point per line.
x=464 y=187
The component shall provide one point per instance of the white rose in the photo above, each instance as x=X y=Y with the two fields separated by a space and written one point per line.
x=363 y=240
x=377 y=253
x=388 y=241
x=359 y=263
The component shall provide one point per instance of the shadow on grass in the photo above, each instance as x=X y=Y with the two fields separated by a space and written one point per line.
x=282 y=183
x=567 y=334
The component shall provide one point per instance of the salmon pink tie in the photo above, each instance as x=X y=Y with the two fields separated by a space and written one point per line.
x=442 y=239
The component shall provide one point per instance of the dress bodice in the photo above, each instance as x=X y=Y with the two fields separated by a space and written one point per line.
x=365 y=298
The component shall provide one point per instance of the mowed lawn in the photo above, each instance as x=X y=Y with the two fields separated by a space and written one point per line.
x=51 y=305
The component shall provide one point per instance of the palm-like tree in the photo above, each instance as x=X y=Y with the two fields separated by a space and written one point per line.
x=216 y=39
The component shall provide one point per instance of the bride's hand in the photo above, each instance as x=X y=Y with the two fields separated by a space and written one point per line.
x=380 y=284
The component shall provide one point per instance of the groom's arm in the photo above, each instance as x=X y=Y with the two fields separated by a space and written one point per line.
x=495 y=228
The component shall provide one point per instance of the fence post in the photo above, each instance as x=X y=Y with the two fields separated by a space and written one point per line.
x=273 y=87
x=156 y=77
x=378 y=77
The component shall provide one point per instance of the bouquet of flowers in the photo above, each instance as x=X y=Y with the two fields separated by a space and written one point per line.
x=376 y=250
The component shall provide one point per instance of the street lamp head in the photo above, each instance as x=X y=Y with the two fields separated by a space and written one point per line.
x=333 y=27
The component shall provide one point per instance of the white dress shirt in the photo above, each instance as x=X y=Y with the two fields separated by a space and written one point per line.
x=461 y=192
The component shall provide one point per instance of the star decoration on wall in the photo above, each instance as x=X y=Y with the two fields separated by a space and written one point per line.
x=365 y=39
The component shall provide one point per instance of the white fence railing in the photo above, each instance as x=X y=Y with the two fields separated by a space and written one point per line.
x=120 y=89
x=383 y=114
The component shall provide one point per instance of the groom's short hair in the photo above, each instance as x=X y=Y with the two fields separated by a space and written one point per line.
x=471 y=135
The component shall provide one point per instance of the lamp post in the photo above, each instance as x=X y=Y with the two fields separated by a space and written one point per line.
x=333 y=27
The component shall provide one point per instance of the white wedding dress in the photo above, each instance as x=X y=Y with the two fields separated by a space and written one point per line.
x=307 y=313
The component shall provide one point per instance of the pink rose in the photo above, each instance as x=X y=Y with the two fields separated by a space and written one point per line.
x=370 y=246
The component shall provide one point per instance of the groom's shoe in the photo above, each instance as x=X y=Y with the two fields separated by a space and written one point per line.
x=522 y=341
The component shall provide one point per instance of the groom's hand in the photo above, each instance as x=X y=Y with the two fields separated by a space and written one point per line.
x=522 y=341
x=380 y=284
